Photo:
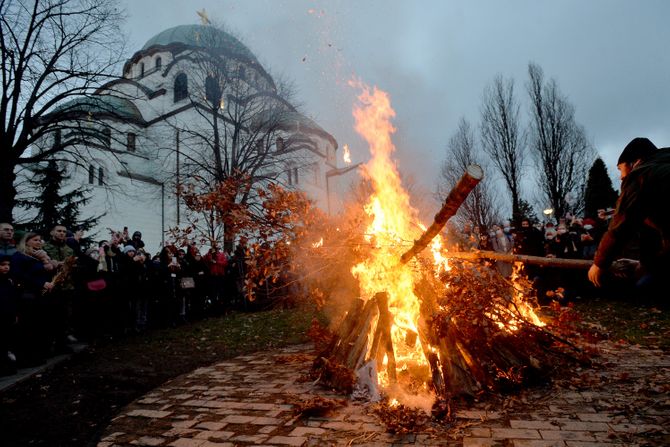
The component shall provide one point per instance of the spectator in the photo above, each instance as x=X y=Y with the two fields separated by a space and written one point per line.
x=132 y=279
x=8 y=317
x=218 y=265
x=64 y=296
x=503 y=243
x=136 y=240
x=7 y=244
x=35 y=315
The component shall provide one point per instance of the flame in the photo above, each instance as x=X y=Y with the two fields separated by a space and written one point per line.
x=393 y=225
x=318 y=244
x=346 y=155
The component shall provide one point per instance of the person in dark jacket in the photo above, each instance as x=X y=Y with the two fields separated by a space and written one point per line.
x=642 y=207
x=8 y=317
x=35 y=307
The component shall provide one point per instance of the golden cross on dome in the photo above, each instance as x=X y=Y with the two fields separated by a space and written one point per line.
x=203 y=17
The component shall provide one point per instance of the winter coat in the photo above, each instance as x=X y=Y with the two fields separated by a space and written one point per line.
x=642 y=207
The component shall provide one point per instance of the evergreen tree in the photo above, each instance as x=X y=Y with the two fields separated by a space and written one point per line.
x=599 y=191
x=526 y=211
x=52 y=205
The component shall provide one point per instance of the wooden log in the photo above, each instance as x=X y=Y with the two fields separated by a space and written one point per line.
x=345 y=327
x=526 y=259
x=472 y=176
x=361 y=332
x=354 y=332
x=386 y=341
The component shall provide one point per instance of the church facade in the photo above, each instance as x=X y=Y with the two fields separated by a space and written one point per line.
x=193 y=105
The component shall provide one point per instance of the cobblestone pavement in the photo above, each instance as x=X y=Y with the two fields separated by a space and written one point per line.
x=249 y=401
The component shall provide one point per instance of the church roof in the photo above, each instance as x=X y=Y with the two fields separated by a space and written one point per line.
x=205 y=36
x=105 y=105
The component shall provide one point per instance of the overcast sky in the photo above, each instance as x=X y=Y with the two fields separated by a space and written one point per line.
x=434 y=58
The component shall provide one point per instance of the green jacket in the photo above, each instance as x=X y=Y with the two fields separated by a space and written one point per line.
x=644 y=205
x=58 y=252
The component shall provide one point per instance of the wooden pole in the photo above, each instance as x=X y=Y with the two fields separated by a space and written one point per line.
x=526 y=259
x=472 y=176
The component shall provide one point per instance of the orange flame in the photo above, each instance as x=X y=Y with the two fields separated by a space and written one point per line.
x=394 y=224
x=391 y=227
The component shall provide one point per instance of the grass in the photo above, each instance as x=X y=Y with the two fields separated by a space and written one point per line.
x=644 y=325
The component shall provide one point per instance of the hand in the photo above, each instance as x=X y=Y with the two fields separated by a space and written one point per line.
x=594 y=275
x=48 y=286
x=48 y=267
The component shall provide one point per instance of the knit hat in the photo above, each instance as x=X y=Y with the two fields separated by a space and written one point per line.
x=128 y=248
x=138 y=234
x=637 y=149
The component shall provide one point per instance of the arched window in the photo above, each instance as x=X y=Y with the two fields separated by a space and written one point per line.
x=212 y=91
x=280 y=144
x=159 y=62
x=142 y=70
x=101 y=176
x=107 y=137
x=180 y=87
x=57 y=138
x=130 y=143
x=91 y=174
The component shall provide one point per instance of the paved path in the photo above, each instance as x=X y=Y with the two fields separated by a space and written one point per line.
x=249 y=401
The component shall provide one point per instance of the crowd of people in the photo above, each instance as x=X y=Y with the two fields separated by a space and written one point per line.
x=54 y=293
x=571 y=238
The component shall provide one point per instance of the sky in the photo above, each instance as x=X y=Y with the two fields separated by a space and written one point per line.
x=435 y=57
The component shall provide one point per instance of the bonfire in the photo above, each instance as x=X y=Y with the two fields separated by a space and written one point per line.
x=426 y=327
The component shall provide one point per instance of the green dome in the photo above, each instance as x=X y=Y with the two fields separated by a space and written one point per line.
x=106 y=105
x=205 y=36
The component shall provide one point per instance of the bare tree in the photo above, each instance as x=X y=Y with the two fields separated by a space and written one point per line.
x=480 y=207
x=502 y=138
x=52 y=51
x=563 y=154
x=244 y=128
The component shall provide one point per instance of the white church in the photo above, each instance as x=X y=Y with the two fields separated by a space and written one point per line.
x=176 y=115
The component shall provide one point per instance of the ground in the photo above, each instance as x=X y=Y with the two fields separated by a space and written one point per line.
x=73 y=403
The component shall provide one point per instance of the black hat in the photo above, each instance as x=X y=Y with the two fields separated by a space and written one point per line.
x=637 y=149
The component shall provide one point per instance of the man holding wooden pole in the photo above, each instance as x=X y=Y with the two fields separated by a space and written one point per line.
x=643 y=206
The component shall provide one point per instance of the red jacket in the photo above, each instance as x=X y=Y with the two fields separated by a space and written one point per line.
x=217 y=263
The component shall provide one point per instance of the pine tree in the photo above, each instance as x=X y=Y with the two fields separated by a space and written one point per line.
x=52 y=205
x=600 y=193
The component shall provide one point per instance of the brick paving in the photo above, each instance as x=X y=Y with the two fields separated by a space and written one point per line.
x=249 y=400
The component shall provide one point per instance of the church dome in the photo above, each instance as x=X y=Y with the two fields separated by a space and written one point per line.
x=205 y=36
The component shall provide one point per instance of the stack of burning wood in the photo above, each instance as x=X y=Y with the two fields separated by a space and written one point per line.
x=476 y=329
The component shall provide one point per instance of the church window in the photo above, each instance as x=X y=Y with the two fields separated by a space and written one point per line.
x=259 y=147
x=180 y=87
x=295 y=176
x=57 y=138
x=241 y=72
x=142 y=70
x=280 y=144
x=91 y=174
x=290 y=176
x=130 y=143
x=101 y=176
x=106 y=137
x=159 y=63
x=212 y=91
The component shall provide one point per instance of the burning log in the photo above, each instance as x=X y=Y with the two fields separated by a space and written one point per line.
x=526 y=259
x=472 y=176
